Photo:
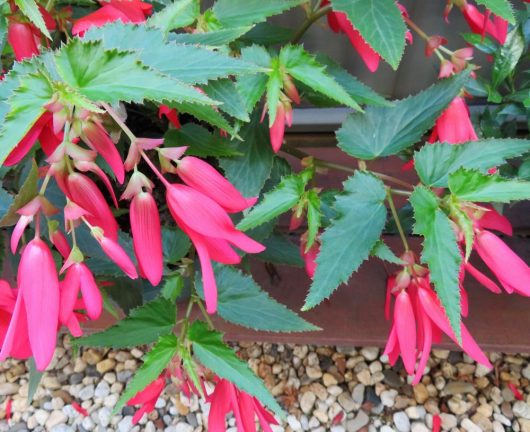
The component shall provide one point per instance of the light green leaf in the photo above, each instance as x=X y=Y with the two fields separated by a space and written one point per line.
x=350 y=237
x=112 y=76
x=279 y=200
x=26 y=193
x=237 y=13
x=35 y=377
x=305 y=68
x=178 y=14
x=435 y=162
x=26 y=105
x=172 y=288
x=31 y=10
x=274 y=87
x=201 y=64
x=205 y=113
x=143 y=325
x=280 y=250
x=314 y=217
x=384 y=131
x=380 y=23
x=502 y=8
x=252 y=87
x=382 y=251
x=440 y=252
x=155 y=361
x=249 y=171
x=507 y=57
x=225 y=91
x=214 y=38
x=465 y=223
x=243 y=302
x=211 y=351
x=472 y=185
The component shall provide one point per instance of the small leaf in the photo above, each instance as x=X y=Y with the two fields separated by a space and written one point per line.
x=383 y=252
x=205 y=113
x=27 y=192
x=112 y=76
x=35 y=377
x=214 y=38
x=6 y=200
x=435 y=162
x=440 y=252
x=172 y=288
x=507 y=57
x=274 y=203
x=305 y=68
x=465 y=223
x=236 y=13
x=472 y=185
x=384 y=131
x=225 y=91
x=502 y=8
x=211 y=351
x=155 y=361
x=175 y=244
x=313 y=217
x=347 y=242
x=31 y=10
x=243 y=302
x=143 y=325
x=252 y=87
x=274 y=87
x=280 y=250
x=380 y=23
x=179 y=13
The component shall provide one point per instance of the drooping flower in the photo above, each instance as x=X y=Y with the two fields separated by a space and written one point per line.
x=481 y=24
x=20 y=348
x=227 y=398
x=284 y=116
x=309 y=255
x=134 y=11
x=212 y=233
x=201 y=176
x=37 y=303
x=454 y=125
x=147 y=398
x=171 y=114
x=116 y=253
x=23 y=39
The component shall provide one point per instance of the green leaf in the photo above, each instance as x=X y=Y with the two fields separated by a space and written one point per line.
x=6 y=200
x=252 y=87
x=314 y=217
x=211 y=351
x=205 y=113
x=112 y=76
x=26 y=105
x=155 y=361
x=380 y=23
x=472 y=185
x=268 y=34
x=152 y=50
x=280 y=250
x=35 y=377
x=127 y=294
x=350 y=237
x=435 y=162
x=26 y=193
x=215 y=38
x=242 y=301
x=172 y=288
x=383 y=252
x=237 y=13
x=3 y=33
x=384 y=131
x=507 y=57
x=200 y=141
x=465 y=223
x=31 y=10
x=225 y=91
x=502 y=8
x=440 y=252
x=274 y=203
x=249 y=171
x=175 y=244
x=143 y=325
x=178 y=14
x=305 y=68
x=274 y=87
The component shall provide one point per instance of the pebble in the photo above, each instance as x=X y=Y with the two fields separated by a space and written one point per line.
x=307 y=401
x=388 y=397
x=7 y=389
x=370 y=353
x=106 y=365
x=86 y=393
x=521 y=410
x=401 y=421
x=360 y=421
x=469 y=426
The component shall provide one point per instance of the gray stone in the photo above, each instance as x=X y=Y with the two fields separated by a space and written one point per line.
x=360 y=421
x=125 y=424
x=370 y=353
x=86 y=393
x=102 y=390
x=358 y=394
x=401 y=421
x=8 y=388
x=458 y=387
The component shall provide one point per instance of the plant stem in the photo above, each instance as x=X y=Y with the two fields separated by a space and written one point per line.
x=309 y=21
x=119 y=121
x=204 y=313
x=416 y=28
x=396 y=218
x=154 y=168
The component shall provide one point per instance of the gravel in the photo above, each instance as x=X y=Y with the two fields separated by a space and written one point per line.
x=321 y=388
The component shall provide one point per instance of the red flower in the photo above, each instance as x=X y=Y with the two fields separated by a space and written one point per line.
x=481 y=24
x=454 y=124
x=147 y=398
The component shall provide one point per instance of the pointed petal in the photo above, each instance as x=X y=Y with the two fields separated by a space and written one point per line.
x=91 y=166
x=493 y=220
x=27 y=142
x=21 y=225
x=115 y=252
x=277 y=129
x=69 y=290
x=426 y=347
x=208 y=277
x=91 y=293
x=405 y=330
x=482 y=279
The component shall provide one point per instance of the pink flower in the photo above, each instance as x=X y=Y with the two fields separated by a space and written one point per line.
x=212 y=233
x=116 y=253
x=114 y=10
x=228 y=398
x=201 y=176
x=84 y=192
x=24 y=38
x=37 y=303
x=277 y=129
x=454 y=124
x=147 y=236
x=171 y=114
x=310 y=255
x=481 y=24
x=147 y=398
x=20 y=348
x=95 y=135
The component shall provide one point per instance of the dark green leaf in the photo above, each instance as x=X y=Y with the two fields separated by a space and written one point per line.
x=34 y=380
x=440 y=252
x=502 y=8
x=175 y=244
x=225 y=91
x=243 y=302
x=205 y=113
x=274 y=203
x=313 y=217
x=384 y=131
x=213 y=38
x=6 y=200
x=252 y=87
x=382 y=251
x=472 y=185
x=143 y=325
x=172 y=288
x=155 y=361
x=435 y=162
x=268 y=34
x=380 y=24
x=27 y=192
x=237 y=13
x=179 y=13
x=211 y=351
x=507 y=57
x=280 y=250
x=347 y=242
